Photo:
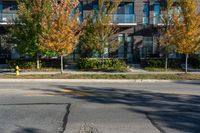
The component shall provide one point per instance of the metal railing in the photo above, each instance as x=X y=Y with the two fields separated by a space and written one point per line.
x=7 y=17
x=123 y=18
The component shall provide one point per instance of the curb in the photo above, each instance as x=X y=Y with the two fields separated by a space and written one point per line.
x=101 y=81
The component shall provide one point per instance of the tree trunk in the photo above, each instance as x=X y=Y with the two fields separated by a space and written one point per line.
x=61 y=64
x=38 y=61
x=166 y=63
x=186 y=63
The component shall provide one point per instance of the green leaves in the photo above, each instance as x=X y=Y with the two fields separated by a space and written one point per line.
x=98 y=32
x=186 y=27
x=27 y=28
x=181 y=28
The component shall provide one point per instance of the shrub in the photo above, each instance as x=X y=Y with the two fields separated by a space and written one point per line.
x=50 y=63
x=160 y=63
x=174 y=64
x=155 y=63
x=102 y=64
x=23 y=64
x=195 y=62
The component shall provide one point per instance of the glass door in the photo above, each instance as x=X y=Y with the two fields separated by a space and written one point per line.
x=120 y=51
x=129 y=49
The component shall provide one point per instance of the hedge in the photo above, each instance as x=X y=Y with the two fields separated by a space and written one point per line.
x=23 y=64
x=102 y=64
x=160 y=63
x=195 y=62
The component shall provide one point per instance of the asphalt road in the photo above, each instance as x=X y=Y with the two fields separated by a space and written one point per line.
x=62 y=107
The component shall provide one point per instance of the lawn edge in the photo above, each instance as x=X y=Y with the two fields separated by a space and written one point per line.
x=103 y=80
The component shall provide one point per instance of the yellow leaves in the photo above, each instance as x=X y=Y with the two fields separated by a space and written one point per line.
x=186 y=28
x=61 y=36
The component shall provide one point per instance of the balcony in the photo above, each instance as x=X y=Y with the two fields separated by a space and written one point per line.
x=123 y=19
x=7 y=18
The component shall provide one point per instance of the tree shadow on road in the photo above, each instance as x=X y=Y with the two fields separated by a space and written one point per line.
x=168 y=111
x=28 y=130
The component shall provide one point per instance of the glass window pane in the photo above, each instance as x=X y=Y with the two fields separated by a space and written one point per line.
x=147 y=48
x=146 y=13
x=1 y=6
x=121 y=9
x=80 y=8
x=9 y=5
x=95 y=6
x=156 y=13
x=121 y=39
x=129 y=8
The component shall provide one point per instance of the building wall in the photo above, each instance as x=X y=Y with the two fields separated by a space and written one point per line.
x=7 y=13
x=139 y=34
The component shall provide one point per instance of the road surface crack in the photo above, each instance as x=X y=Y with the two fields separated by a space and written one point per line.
x=65 y=119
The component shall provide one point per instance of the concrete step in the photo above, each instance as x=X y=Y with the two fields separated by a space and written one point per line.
x=134 y=66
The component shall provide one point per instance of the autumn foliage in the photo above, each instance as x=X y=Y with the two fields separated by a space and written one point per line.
x=185 y=32
x=61 y=28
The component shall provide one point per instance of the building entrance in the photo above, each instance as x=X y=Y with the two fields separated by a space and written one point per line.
x=127 y=49
x=5 y=53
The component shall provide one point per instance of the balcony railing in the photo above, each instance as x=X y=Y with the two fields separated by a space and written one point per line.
x=7 y=17
x=116 y=18
x=123 y=18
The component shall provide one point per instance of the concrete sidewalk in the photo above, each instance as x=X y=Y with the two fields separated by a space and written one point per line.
x=98 y=81
x=76 y=71
x=90 y=72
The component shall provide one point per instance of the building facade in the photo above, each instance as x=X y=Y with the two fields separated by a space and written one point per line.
x=8 y=9
x=138 y=21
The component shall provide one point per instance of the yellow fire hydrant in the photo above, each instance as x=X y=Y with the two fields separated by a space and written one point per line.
x=17 y=70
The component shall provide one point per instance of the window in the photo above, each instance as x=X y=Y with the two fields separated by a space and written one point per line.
x=80 y=8
x=129 y=41
x=146 y=13
x=124 y=13
x=147 y=48
x=1 y=6
x=9 y=6
x=129 y=9
x=95 y=6
x=120 y=50
x=125 y=8
x=156 y=13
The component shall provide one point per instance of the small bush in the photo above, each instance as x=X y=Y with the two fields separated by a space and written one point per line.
x=160 y=63
x=175 y=64
x=102 y=64
x=23 y=64
x=155 y=63
x=195 y=62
